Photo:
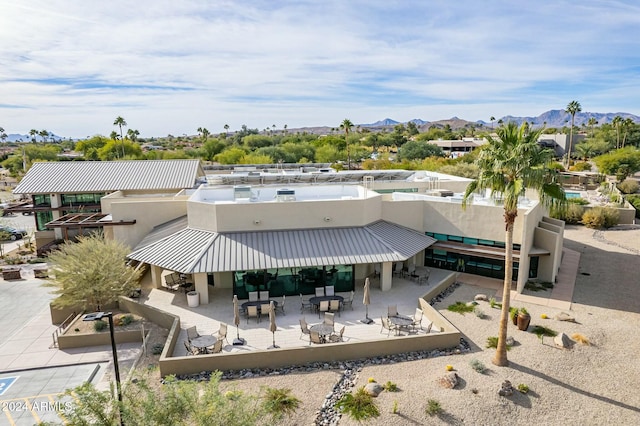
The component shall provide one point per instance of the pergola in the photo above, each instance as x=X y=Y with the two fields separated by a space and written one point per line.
x=85 y=220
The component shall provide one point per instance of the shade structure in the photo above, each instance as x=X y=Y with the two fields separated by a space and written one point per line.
x=366 y=301
x=236 y=321
x=272 y=324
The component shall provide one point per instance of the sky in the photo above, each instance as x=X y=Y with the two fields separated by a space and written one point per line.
x=169 y=67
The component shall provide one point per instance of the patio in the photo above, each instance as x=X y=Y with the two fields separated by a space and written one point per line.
x=207 y=318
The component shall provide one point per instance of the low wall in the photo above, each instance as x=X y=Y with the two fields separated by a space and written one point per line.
x=81 y=340
x=448 y=337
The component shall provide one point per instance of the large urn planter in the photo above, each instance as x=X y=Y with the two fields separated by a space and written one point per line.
x=523 y=320
x=513 y=314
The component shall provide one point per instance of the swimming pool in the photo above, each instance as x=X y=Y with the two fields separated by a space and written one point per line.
x=570 y=194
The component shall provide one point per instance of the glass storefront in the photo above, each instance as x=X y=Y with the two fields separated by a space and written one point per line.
x=293 y=281
x=477 y=265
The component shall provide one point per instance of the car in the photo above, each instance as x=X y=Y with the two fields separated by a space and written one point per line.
x=13 y=233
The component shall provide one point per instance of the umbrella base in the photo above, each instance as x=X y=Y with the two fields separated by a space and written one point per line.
x=239 y=342
x=274 y=347
x=367 y=320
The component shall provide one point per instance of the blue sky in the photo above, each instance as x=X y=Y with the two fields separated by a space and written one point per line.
x=168 y=67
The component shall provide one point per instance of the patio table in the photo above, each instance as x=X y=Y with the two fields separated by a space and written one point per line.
x=402 y=322
x=204 y=342
x=323 y=330
x=259 y=303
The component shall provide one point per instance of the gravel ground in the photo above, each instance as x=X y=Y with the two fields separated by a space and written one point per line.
x=586 y=385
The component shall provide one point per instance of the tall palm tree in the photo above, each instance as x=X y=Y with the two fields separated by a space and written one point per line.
x=44 y=134
x=617 y=122
x=492 y=119
x=592 y=122
x=133 y=134
x=33 y=133
x=626 y=124
x=347 y=125
x=500 y=122
x=119 y=121
x=573 y=108
x=508 y=166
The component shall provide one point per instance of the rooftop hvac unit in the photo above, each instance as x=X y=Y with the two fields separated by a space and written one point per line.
x=285 y=195
x=241 y=192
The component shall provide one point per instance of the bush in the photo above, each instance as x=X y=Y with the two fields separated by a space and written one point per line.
x=634 y=200
x=461 y=308
x=99 y=325
x=126 y=319
x=478 y=366
x=542 y=331
x=279 y=402
x=628 y=186
x=523 y=388
x=582 y=166
x=600 y=217
x=359 y=405
x=157 y=348
x=579 y=201
x=572 y=213
x=433 y=408
x=581 y=338
x=492 y=342
x=390 y=387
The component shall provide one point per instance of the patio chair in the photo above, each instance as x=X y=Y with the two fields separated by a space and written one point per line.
x=427 y=328
x=304 y=327
x=329 y=290
x=349 y=300
x=217 y=347
x=252 y=312
x=253 y=296
x=319 y=291
x=329 y=319
x=264 y=309
x=334 y=306
x=304 y=303
x=314 y=337
x=221 y=334
x=324 y=307
x=190 y=349
x=397 y=269
x=386 y=325
x=280 y=306
x=392 y=310
x=417 y=318
x=337 y=337
x=192 y=333
x=264 y=295
x=376 y=270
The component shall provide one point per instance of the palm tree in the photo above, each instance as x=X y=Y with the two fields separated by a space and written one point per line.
x=226 y=129
x=119 y=121
x=626 y=124
x=592 y=122
x=509 y=166
x=572 y=108
x=492 y=119
x=346 y=125
x=33 y=133
x=617 y=122
x=133 y=134
x=500 y=122
x=3 y=135
x=44 y=134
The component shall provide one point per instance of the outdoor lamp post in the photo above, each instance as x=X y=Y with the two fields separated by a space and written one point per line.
x=97 y=316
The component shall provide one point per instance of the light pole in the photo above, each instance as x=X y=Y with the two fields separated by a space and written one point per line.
x=97 y=316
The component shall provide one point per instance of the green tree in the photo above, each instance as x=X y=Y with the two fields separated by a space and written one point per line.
x=573 y=108
x=204 y=134
x=622 y=162
x=626 y=125
x=133 y=134
x=347 y=125
x=492 y=119
x=119 y=121
x=114 y=149
x=33 y=133
x=592 y=122
x=417 y=150
x=92 y=273
x=94 y=143
x=211 y=148
x=44 y=134
x=617 y=123
x=231 y=155
x=509 y=166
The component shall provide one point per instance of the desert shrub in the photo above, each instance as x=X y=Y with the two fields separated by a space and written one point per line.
x=492 y=342
x=479 y=312
x=461 y=308
x=634 y=200
x=371 y=380
x=628 y=186
x=571 y=213
x=126 y=319
x=523 y=388
x=280 y=402
x=478 y=366
x=390 y=387
x=582 y=166
x=359 y=405
x=494 y=304
x=579 y=201
x=433 y=408
x=99 y=325
x=581 y=338
x=600 y=217
x=157 y=348
x=542 y=331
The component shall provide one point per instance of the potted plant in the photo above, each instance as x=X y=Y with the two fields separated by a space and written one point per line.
x=513 y=314
x=523 y=319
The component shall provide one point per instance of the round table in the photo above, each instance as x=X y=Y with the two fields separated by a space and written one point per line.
x=204 y=342
x=322 y=329
x=401 y=321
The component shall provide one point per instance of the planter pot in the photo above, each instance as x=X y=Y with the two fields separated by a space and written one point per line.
x=514 y=318
x=523 y=321
x=193 y=299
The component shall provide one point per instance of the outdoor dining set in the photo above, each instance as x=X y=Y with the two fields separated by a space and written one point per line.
x=197 y=344
x=323 y=332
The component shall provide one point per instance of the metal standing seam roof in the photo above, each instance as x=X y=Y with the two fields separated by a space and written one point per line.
x=195 y=251
x=108 y=176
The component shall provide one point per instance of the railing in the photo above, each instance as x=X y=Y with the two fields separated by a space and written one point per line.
x=61 y=328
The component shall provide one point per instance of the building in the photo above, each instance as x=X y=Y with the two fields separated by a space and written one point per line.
x=288 y=232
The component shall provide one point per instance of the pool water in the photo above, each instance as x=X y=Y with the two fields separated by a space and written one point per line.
x=570 y=195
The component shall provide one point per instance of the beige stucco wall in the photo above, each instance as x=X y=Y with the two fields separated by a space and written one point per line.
x=261 y=216
x=148 y=212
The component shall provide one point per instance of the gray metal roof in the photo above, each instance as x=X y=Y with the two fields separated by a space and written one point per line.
x=195 y=251
x=107 y=176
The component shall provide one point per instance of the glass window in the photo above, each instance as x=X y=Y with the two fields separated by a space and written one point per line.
x=43 y=218
x=472 y=241
x=42 y=200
